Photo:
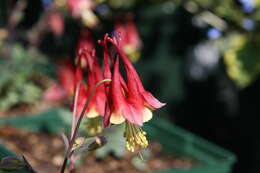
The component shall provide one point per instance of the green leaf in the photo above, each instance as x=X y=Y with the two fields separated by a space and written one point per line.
x=115 y=142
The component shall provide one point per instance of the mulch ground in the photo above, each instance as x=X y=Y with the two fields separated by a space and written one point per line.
x=45 y=153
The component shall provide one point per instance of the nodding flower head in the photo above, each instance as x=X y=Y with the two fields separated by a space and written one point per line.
x=129 y=38
x=83 y=9
x=65 y=75
x=87 y=62
x=128 y=100
x=56 y=23
x=85 y=47
x=62 y=89
x=77 y=7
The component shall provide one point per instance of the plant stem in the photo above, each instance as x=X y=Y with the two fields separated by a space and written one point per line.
x=74 y=131
x=64 y=164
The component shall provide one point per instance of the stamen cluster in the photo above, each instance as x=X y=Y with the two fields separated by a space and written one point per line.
x=134 y=136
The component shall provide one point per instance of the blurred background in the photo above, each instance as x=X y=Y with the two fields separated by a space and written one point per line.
x=201 y=57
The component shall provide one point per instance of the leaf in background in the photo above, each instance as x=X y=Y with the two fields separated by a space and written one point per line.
x=242 y=60
x=115 y=142
x=17 y=73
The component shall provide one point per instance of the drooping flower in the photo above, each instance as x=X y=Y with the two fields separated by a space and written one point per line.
x=129 y=38
x=97 y=104
x=92 y=68
x=55 y=93
x=56 y=23
x=134 y=83
x=66 y=76
x=63 y=88
x=85 y=46
x=77 y=7
x=129 y=100
x=83 y=9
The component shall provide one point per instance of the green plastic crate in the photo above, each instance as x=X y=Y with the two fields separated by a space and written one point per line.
x=53 y=121
x=211 y=158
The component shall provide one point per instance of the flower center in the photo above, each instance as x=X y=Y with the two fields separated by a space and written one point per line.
x=135 y=136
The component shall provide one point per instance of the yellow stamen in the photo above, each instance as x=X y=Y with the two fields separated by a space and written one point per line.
x=135 y=136
x=93 y=126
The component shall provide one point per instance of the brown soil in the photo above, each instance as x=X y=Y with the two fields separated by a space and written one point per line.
x=45 y=154
x=29 y=110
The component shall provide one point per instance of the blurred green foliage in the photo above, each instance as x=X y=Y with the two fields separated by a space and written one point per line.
x=237 y=20
x=20 y=77
x=242 y=60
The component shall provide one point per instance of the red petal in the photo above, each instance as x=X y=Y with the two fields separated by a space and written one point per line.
x=116 y=89
x=134 y=80
x=130 y=107
x=133 y=37
x=151 y=101
x=66 y=76
x=133 y=114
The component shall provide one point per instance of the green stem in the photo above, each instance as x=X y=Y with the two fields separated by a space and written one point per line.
x=72 y=141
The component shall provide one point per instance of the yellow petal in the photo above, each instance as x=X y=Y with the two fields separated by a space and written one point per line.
x=92 y=113
x=147 y=115
x=116 y=118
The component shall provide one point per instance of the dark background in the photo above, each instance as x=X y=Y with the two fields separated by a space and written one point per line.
x=210 y=104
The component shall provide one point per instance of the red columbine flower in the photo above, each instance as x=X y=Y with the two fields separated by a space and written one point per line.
x=129 y=100
x=56 y=23
x=65 y=75
x=77 y=7
x=129 y=38
x=55 y=93
x=85 y=46
x=94 y=75
x=83 y=9
x=64 y=87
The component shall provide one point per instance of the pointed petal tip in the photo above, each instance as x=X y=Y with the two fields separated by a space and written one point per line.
x=151 y=101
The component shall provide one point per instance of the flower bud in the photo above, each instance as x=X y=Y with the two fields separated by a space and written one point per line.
x=99 y=142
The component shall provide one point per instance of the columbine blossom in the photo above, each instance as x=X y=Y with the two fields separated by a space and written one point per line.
x=129 y=38
x=129 y=101
x=77 y=7
x=94 y=75
x=64 y=87
x=66 y=75
x=83 y=9
x=85 y=46
x=56 y=23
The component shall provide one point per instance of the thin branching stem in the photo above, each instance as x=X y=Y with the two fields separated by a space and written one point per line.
x=75 y=131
